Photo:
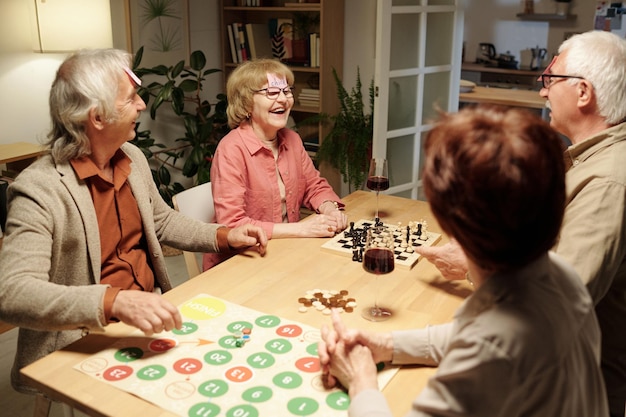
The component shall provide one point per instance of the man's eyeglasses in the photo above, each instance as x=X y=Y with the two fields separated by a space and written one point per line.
x=547 y=79
x=272 y=93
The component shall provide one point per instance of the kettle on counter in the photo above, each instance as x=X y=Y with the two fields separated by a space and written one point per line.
x=486 y=53
x=538 y=55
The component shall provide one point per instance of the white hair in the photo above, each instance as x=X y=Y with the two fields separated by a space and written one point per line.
x=600 y=58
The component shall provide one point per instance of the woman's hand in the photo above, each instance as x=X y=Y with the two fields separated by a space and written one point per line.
x=350 y=355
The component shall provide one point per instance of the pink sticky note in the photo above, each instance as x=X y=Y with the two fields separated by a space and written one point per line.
x=274 y=81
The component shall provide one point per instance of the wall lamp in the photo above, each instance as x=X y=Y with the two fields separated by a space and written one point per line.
x=67 y=25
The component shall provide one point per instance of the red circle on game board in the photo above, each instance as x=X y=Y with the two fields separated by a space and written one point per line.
x=162 y=345
x=309 y=364
x=238 y=374
x=289 y=330
x=117 y=373
x=187 y=366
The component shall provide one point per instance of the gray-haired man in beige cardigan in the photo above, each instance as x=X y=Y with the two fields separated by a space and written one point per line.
x=85 y=221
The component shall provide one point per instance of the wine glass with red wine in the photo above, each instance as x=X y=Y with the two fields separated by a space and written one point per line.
x=378 y=178
x=378 y=259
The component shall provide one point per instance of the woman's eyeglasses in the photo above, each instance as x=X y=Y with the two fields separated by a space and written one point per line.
x=547 y=79
x=272 y=93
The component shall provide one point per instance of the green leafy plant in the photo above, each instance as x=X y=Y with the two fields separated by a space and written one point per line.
x=304 y=23
x=348 y=145
x=167 y=37
x=204 y=124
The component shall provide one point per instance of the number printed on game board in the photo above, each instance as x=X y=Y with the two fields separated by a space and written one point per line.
x=213 y=388
x=291 y=330
x=187 y=366
x=218 y=357
x=267 y=321
x=239 y=374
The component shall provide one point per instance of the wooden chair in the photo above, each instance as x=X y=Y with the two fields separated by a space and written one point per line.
x=197 y=203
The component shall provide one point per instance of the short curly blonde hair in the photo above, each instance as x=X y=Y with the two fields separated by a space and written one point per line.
x=245 y=80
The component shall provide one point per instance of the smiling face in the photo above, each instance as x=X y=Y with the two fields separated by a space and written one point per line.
x=269 y=115
x=128 y=106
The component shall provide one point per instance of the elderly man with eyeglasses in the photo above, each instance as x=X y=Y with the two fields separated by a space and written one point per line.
x=585 y=88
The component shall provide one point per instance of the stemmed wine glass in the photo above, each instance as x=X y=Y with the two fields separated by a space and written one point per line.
x=378 y=259
x=378 y=178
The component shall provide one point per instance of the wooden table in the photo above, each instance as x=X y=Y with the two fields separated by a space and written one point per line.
x=19 y=155
x=273 y=284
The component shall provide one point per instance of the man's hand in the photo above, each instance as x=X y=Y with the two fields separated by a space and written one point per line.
x=449 y=259
x=147 y=311
x=247 y=236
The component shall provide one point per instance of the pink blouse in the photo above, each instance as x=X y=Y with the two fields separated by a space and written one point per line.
x=245 y=183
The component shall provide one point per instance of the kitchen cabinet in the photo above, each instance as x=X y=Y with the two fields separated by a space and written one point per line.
x=500 y=77
x=546 y=17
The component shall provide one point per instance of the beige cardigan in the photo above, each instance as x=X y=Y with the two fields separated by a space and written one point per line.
x=50 y=259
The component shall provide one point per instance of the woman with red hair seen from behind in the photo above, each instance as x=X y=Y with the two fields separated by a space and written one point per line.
x=526 y=342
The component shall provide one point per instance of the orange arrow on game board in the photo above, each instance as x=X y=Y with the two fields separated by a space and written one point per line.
x=200 y=342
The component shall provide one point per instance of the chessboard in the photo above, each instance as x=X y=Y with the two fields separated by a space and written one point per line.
x=350 y=242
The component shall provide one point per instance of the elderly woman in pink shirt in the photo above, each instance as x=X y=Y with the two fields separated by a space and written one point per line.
x=261 y=173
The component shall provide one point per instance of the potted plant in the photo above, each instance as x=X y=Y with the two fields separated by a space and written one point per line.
x=303 y=24
x=348 y=145
x=204 y=124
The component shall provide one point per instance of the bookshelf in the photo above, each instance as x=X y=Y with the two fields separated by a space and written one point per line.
x=330 y=17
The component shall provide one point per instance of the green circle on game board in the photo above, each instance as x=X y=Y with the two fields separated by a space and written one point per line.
x=213 y=388
x=204 y=410
x=218 y=357
x=312 y=349
x=279 y=346
x=338 y=400
x=188 y=328
x=257 y=394
x=243 y=410
x=228 y=342
x=128 y=354
x=152 y=372
x=267 y=321
x=238 y=326
x=261 y=360
x=302 y=406
x=287 y=380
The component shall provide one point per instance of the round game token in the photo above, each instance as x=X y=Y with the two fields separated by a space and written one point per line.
x=303 y=309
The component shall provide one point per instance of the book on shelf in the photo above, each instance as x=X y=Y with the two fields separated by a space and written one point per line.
x=281 y=30
x=314 y=49
x=232 y=44
x=243 y=42
x=308 y=103
x=259 y=40
x=308 y=96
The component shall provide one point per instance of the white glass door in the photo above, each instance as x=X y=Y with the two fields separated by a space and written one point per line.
x=418 y=69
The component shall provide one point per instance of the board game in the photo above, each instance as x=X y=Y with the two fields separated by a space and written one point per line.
x=227 y=360
x=351 y=242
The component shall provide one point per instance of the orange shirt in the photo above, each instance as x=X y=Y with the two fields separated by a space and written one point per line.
x=125 y=264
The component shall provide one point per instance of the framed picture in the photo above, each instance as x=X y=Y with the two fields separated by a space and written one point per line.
x=162 y=28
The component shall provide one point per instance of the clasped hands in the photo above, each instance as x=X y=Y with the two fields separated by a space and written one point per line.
x=349 y=356
x=326 y=224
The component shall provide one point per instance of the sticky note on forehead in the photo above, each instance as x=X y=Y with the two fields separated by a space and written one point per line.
x=274 y=81
x=132 y=76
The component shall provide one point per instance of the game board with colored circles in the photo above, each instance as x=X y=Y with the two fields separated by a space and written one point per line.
x=351 y=241
x=227 y=360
